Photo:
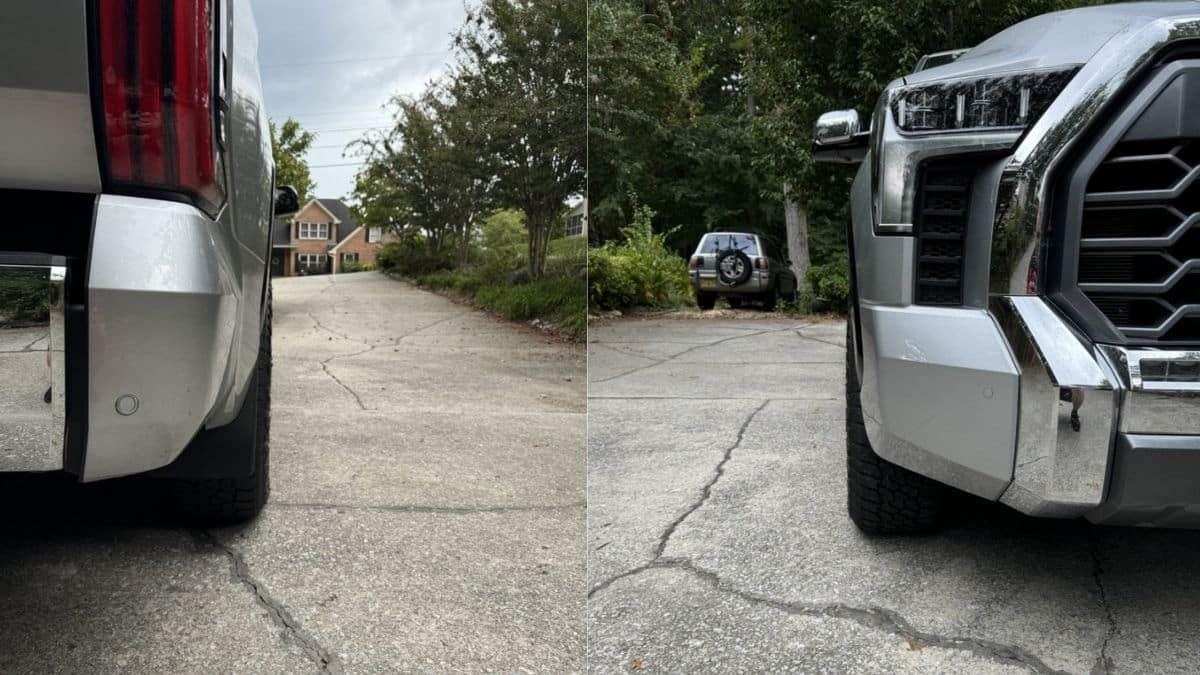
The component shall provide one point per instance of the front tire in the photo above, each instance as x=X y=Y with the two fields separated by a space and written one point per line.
x=235 y=499
x=882 y=497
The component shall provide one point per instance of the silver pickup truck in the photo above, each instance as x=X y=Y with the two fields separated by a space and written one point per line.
x=134 y=299
x=1025 y=322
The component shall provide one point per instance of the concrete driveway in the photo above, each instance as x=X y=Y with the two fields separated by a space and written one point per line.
x=718 y=538
x=427 y=514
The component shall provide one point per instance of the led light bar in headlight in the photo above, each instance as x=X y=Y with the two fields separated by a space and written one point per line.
x=1012 y=100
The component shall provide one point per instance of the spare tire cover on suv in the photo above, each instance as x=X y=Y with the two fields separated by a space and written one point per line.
x=733 y=267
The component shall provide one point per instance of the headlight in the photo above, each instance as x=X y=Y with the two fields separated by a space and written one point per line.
x=1008 y=101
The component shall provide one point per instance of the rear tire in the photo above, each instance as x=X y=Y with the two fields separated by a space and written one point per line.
x=883 y=498
x=771 y=299
x=706 y=300
x=222 y=501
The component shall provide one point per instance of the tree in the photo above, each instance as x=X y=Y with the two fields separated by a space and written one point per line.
x=521 y=70
x=425 y=173
x=289 y=143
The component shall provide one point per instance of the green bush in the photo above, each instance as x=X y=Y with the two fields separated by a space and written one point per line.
x=828 y=286
x=351 y=266
x=411 y=257
x=641 y=271
x=25 y=297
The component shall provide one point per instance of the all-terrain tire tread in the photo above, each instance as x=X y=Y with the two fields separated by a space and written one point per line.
x=882 y=497
x=214 y=501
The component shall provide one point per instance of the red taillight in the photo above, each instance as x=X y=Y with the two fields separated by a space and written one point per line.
x=156 y=81
x=694 y=262
x=763 y=264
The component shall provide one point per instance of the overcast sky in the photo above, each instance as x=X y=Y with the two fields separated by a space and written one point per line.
x=383 y=47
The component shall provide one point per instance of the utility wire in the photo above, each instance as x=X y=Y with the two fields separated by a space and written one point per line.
x=325 y=131
x=297 y=64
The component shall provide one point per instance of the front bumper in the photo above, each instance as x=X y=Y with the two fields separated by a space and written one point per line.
x=994 y=414
x=161 y=314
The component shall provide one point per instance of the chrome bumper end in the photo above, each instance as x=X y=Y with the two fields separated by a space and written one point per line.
x=1130 y=455
x=1069 y=403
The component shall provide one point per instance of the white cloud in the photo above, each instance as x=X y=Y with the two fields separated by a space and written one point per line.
x=348 y=95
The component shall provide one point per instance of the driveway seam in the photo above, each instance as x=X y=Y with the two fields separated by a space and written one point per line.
x=701 y=346
x=289 y=627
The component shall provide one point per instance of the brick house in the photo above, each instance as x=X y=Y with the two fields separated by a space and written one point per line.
x=320 y=238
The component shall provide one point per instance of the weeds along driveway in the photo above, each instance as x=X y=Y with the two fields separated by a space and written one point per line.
x=717 y=534
x=427 y=514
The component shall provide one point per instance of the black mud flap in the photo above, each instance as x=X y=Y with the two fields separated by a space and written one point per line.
x=220 y=452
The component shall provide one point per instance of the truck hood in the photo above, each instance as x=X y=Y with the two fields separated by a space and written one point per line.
x=1056 y=39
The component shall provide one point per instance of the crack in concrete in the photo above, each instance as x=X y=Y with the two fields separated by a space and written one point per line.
x=872 y=616
x=879 y=618
x=802 y=336
x=1103 y=661
x=321 y=326
x=416 y=508
x=289 y=627
x=701 y=346
x=706 y=492
x=357 y=398
x=422 y=329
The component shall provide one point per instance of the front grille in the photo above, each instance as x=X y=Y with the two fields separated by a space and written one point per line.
x=1139 y=252
x=1130 y=241
x=940 y=228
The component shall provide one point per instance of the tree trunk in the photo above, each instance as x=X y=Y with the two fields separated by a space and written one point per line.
x=796 y=221
x=539 y=241
x=465 y=249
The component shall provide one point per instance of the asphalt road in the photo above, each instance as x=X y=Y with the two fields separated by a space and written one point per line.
x=427 y=514
x=717 y=534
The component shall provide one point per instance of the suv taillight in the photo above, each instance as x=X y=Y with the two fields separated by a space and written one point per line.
x=694 y=262
x=156 y=83
x=762 y=263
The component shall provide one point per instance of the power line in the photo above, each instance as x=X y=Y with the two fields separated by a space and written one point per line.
x=297 y=64
x=325 y=131
x=335 y=112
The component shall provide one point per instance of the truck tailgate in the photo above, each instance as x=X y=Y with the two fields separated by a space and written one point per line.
x=47 y=141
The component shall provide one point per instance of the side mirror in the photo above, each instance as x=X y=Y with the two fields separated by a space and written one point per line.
x=838 y=137
x=287 y=202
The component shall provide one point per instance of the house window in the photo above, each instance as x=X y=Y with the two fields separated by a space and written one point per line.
x=311 y=263
x=349 y=257
x=575 y=225
x=314 y=230
x=374 y=234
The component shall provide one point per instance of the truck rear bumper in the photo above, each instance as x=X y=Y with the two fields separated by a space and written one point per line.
x=161 y=319
x=983 y=401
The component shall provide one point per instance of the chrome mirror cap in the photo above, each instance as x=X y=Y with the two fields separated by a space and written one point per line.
x=836 y=127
